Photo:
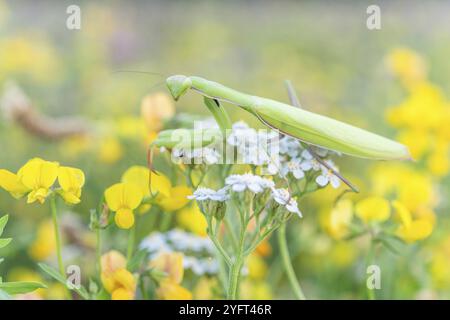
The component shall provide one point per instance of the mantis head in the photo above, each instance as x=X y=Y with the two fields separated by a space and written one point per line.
x=178 y=85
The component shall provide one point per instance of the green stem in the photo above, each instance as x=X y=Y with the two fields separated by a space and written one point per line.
x=131 y=240
x=236 y=266
x=234 y=278
x=165 y=222
x=58 y=239
x=99 y=251
x=284 y=252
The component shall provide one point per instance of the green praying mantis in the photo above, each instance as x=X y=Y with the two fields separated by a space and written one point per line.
x=308 y=127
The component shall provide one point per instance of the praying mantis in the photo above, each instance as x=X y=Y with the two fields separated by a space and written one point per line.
x=308 y=127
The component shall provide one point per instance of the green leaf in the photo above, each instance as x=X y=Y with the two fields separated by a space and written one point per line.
x=1 y=260
x=4 y=242
x=3 y=221
x=20 y=287
x=52 y=272
x=137 y=259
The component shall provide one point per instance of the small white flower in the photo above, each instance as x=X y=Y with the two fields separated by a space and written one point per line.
x=283 y=197
x=293 y=166
x=327 y=176
x=290 y=146
x=307 y=165
x=241 y=182
x=306 y=155
x=202 y=194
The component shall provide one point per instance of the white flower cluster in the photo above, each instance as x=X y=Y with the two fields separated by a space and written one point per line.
x=256 y=147
x=204 y=155
x=283 y=197
x=198 y=251
x=297 y=161
x=251 y=182
x=284 y=156
x=254 y=183
x=203 y=194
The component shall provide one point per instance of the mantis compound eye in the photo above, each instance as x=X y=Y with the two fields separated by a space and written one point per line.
x=178 y=85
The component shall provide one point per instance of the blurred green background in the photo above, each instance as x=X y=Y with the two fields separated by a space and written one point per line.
x=337 y=65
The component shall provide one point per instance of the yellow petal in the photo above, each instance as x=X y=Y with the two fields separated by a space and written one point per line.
x=10 y=182
x=417 y=230
x=373 y=209
x=112 y=261
x=171 y=264
x=38 y=173
x=123 y=196
x=155 y=108
x=169 y=290
x=403 y=213
x=177 y=200
x=122 y=294
x=125 y=279
x=70 y=179
x=38 y=195
x=124 y=218
x=139 y=176
x=192 y=219
x=70 y=197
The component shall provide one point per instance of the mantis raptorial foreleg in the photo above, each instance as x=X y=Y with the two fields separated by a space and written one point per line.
x=296 y=103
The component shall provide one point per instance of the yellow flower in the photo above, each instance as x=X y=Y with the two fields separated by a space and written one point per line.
x=438 y=162
x=116 y=279
x=417 y=141
x=411 y=186
x=110 y=150
x=71 y=181
x=255 y=290
x=44 y=245
x=167 y=197
x=35 y=178
x=171 y=264
x=407 y=65
x=11 y=183
x=170 y=288
x=192 y=219
x=31 y=56
x=411 y=230
x=337 y=221
x=257 y=268
x=155 y=108
x=38 y=175
x=177 y=199
x=205 y=288
x=123 y=198
x=139 y=175
x=373 y=209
